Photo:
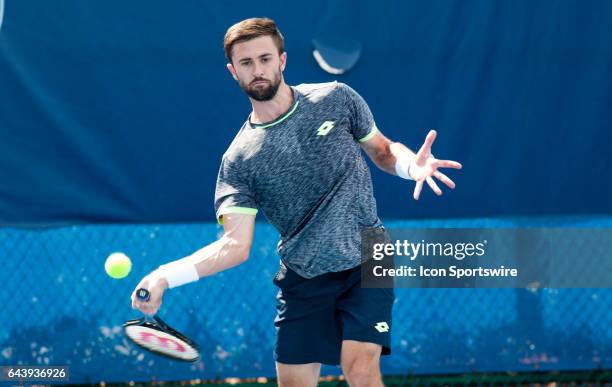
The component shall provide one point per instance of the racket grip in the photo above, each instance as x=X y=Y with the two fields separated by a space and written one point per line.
x=143 y=294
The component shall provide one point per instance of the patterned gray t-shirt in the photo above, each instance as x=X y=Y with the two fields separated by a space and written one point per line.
x=306 y=172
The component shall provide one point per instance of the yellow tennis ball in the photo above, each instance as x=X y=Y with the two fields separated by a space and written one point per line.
x=118 y=265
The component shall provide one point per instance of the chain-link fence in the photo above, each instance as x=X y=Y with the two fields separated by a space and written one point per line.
x=58 y=307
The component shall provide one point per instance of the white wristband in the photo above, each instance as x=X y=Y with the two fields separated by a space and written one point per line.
x=178 y=274
x=402 y=167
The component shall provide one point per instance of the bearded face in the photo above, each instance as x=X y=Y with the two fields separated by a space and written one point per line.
x=258 y=67
x=262 y=89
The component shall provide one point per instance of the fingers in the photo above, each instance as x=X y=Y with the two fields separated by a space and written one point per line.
x=417 y=189
x=429 y=140
x=447 y=164
x=147 y=307
x=432 y=184
x=135 y=302
x=428 y=167
x=425 y=150
x=444 y=179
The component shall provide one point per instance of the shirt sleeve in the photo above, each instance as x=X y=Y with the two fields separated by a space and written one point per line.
x=232 y=194
x=361 y=119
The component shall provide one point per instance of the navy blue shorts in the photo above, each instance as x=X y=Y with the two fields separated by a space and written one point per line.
x=315 y=315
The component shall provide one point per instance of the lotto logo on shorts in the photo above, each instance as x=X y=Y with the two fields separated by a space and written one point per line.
x=382 y=327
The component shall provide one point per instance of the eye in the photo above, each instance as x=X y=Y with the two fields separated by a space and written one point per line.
x=264 y=60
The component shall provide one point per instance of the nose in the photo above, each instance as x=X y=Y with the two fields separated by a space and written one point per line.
x=258 y=70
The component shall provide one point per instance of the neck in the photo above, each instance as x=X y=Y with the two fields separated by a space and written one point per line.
x=266 y=111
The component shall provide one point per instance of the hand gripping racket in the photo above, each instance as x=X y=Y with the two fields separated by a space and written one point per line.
x=156 y=336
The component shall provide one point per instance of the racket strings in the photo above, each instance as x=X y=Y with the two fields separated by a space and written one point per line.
x=162 y=342
x=164 y=348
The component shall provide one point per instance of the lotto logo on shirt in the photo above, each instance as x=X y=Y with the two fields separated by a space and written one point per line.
x=325 y=128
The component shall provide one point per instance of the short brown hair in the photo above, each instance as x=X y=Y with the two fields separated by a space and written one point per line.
x=250 y=29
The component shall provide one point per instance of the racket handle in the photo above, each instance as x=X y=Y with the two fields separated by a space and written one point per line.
x=143 y=294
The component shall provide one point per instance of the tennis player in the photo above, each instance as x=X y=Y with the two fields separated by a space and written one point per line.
x=298 y=159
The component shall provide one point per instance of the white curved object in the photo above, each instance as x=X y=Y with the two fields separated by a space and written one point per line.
x=337 y=57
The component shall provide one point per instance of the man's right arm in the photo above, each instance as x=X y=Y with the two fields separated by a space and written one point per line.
x=230 y=250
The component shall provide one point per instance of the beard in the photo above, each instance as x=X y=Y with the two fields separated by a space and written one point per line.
x=262 y=92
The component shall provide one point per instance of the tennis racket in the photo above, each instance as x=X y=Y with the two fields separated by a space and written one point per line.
x=154 y=335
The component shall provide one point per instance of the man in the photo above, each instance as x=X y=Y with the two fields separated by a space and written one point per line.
x=298 y=159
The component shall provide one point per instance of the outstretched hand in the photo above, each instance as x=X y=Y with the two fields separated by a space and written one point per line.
x=424 y=167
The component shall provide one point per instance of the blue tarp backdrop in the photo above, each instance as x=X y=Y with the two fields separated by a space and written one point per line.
x=119 y=111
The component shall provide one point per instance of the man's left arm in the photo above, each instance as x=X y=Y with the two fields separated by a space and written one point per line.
x=397 y=159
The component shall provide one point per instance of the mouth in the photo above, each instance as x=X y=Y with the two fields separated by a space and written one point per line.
x=257 y=83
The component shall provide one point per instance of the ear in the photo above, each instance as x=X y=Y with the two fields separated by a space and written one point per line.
x=283 y=61
x=232 y=70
